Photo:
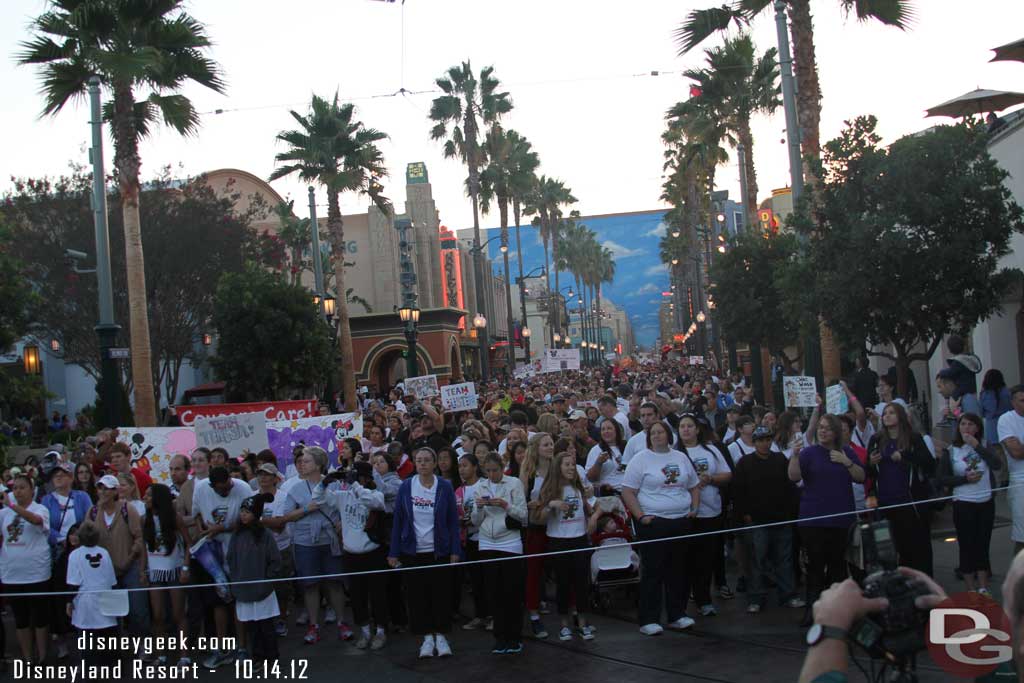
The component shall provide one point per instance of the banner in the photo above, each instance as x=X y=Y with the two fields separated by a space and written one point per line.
x=153 y=447
x=459 y=397
x=696 y=360
x=800 y=392
x=234 y=433
x=556 y=360
x=273 y=410
x=422 y=387
x=525 y=371
x=836 y=401
x=325 y=431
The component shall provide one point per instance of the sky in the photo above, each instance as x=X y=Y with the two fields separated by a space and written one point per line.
x=578 y=72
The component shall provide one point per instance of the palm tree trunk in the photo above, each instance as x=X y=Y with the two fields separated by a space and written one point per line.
x=336 y=228
x=478 y=271
x=510 y=335
x=127 y=163
x=553 y=230
x=750 y=201
x=516 y=213
x=600 y=336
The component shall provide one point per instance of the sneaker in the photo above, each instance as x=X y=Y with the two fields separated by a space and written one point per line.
x=62 y=649
x=514 y=648
x=218 y=659
x=725 y=592
x=500 y=649
x=473 y=624
x=241 y=654
x=538 y=628
x=281 y=628
x=330 y=616
x=185 y=662
x=363 y=642
x=708 y=611
x=443 y=648
x=344 y=631
x=753 y=608
x=565 y=634
x=303 y=618
x=544 y=608
x=682 y=623
x=651 y=629
x=796 y=603
x=586 y=633
x=162 y=660
x=312 y=636
x=490 y=624
x=378 y=641
x=427 y=648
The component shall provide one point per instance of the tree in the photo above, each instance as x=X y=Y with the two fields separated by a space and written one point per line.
x=19 y=304
x=523 y=162
x=930 y=218
x=131 y=46
x=332 y=148
x=272 y=339
x=547 y=200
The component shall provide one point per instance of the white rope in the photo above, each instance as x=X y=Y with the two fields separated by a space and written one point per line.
x=682 y=537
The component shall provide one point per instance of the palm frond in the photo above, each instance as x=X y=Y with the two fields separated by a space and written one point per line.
x=703 y=23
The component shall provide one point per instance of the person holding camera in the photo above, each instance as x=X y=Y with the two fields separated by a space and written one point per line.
x=605 y=466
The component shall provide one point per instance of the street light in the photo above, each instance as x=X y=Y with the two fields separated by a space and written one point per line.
x=30 y=356
x=55 y=345
x=676 y=233
x=410 y=316
x=557 y=337
x=701 y=317
x=479 y=321
x=317 y=299
x=525 y=332
x=330 y=307
x=675 y=262
x=720 y=218
x=721 y=248
x=207 y=339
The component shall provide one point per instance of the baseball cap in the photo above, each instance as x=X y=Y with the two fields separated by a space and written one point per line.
x=762 y=433
x=65 y=467
x=577 y=414
x=107 y=481
x=268 y=467
x=557 y=397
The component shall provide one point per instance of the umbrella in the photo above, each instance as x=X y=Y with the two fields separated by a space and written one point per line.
x=977 y=102
x=1011 y=52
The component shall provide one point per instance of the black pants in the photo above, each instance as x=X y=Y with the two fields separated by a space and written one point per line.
x=826 y=557
x=505 y=588
x=572 y=572
x=369 y=591
x=429 y=594
x=395 y=583
x=912 y=534
x=701 y=558
x=663 y=572
x=481 y=606
x=29 y=612
x=261 y=639
x=973 y=523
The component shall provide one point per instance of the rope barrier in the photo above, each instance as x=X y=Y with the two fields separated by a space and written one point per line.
x=682 y=537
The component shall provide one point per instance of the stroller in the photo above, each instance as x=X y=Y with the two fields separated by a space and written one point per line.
x=614 y=563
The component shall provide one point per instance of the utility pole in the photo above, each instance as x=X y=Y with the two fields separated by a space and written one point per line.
x=318 y=268
x=508 y=306
x=107 y=329
x=407 y=280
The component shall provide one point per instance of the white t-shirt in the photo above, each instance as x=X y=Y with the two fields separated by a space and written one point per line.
x=638 y=442
x=468 y=503
x=159 y=560
x=423 y=514
x=571 y=523
x=965 y=459
x=1012 y=424
x=538 y=481
x=140 y=508
x=662 y=482
x=737 y=449
x=729 y=433
x=91 y=569
x=707 y=460
x=283 y=537
x=621 y=418
x=217 y=509
x=25 y=556
x=612 y=470
x=66 y=516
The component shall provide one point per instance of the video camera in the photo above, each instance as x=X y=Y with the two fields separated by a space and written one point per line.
x=897 y=633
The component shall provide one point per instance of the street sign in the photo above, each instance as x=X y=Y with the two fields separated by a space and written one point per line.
x=121 y=352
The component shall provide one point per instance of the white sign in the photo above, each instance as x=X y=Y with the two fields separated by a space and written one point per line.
x=696 y=360
x=524 y=371
x=556 y=360
x=234 y=433
x=422 y=387
x=153 y=447
x=459 y=397
x=836 y=401
x=800 y=392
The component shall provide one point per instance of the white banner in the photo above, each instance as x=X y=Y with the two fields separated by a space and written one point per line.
x=696 y=360
x=153 y=447
x=524 y=371
x=556 y=360
x=234 y=433
x=459 y=397
x=836 y=401
x=800 y=392
x=422 y=387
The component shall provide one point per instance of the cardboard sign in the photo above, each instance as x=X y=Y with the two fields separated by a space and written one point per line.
x=696 y=360
x=836 y=401
x=422 y=387
x=325 y=431
x=273 y=410
x=234 y=433
x=800 y=392
x=459 y=397
x=153 y=447
x=556 y=360
x=524 y=371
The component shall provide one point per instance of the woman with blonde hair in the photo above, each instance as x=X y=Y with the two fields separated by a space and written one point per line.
x=128 y=491
x=534 y=469
x=548 y=424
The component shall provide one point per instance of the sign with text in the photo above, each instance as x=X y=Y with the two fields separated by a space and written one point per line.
x=556 y=360
x=459 y=397
x=153 y=447
x=524 y=371
x=272 y=410
x=836 y=401
x=422 y=387
x=800 y=392
x=234 y=433
x=325 y=431
x=696 y=360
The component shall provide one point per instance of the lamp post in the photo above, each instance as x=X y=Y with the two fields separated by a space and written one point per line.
x=521 y=281
x=478 y=271
x=318 y=272
x=410 y=317
x=30 y=358
x=409 y=313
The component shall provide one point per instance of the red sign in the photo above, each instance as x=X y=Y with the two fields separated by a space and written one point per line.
x=277 y=410
x=666 y=293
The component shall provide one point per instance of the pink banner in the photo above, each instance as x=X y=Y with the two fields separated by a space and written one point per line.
x=276 y=410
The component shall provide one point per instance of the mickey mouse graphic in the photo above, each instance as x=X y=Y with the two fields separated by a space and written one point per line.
x=672 y=474
x=574 y=505
x=342 y=428
x=140 y=449
x=94 y=560
x=14 y=530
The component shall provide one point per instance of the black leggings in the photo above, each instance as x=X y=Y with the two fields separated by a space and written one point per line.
x=701 y=557
x=368 y=591
x=29 y=612
x=262 y=639
x=826 y=557
x=912 y=535
x=429 y=593
x=973 y=523
x=572 y=572
x=505 y=584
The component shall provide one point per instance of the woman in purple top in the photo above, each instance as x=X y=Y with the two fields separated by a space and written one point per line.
x=903 y=465
x=827 y=469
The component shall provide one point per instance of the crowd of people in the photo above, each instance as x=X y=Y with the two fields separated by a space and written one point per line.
x=519 y=506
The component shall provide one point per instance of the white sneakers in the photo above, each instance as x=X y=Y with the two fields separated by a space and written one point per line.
x=681 y=623
x=435 y=644
x=651 y=629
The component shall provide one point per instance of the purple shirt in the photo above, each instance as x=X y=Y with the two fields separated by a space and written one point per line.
x=827 y=488
x=893 y=478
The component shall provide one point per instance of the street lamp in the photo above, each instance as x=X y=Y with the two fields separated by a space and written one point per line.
x=30 y=357
x=676 y=233
x=721 y=248
x=675 y=262
x=410 y=316
x=557 y=337
x=479 y=321
x=525 y=332
x=701 y=317
x=55 y=345
x=330 y=307
x=207 y=339
x=317 y=299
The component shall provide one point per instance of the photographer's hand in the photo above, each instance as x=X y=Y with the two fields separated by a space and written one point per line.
x=839 y=607
x=924 y=602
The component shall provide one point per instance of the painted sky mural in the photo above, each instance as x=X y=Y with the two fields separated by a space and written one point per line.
x=640 y=276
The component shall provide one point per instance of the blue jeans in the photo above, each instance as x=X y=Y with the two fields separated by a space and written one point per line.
x=137 y=621
x=771 y=552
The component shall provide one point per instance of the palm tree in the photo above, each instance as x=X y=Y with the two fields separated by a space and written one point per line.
x=523 y=163
x=131 y=46
x=295 y=233
x=332 y=148
x=469 y=105
x=547 y=201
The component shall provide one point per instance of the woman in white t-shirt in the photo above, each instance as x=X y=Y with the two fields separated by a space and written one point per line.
x=662 y=492
x=128 y=490
x=743 y=444
x=604 y=462
x=25 y=565
x=967 y=467
x=167 y=560
x=569 y=521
